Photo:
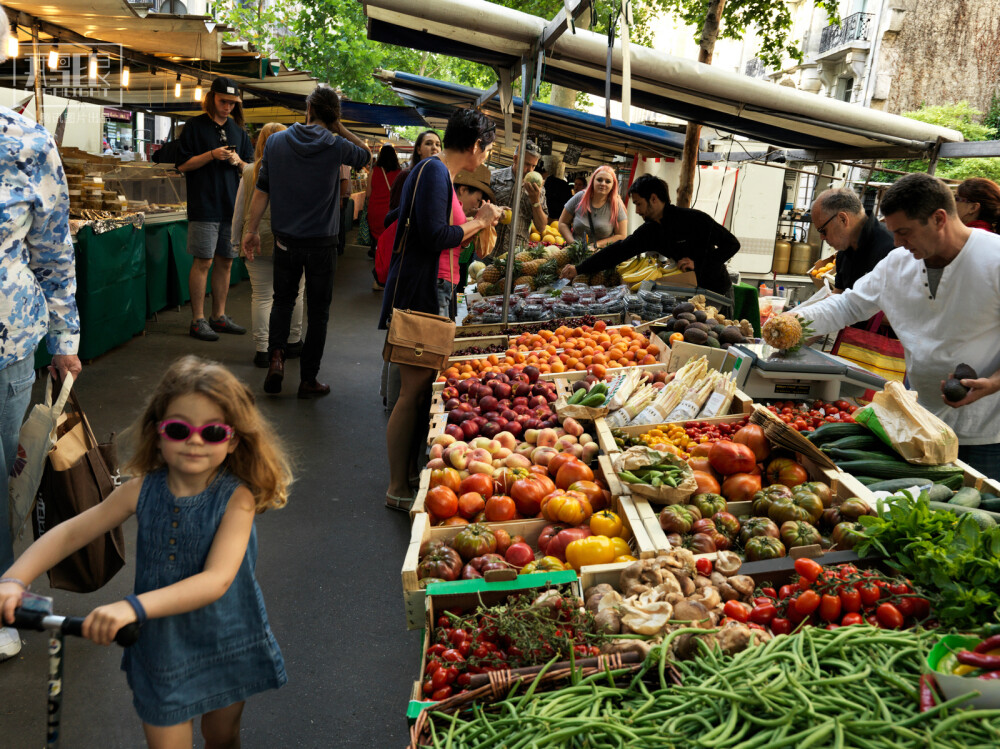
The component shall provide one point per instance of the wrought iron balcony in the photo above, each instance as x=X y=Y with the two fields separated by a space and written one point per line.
x=755 y=68
x=855 y=28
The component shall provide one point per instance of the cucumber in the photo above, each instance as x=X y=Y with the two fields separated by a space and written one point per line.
x=984 y=519
x=860 y=442
x=868 y=480
x=578 y=395
x=991 y=504
x=967 y=497
x=831 y=431
x=885 y=469
x=837 y=455
x=897 y=485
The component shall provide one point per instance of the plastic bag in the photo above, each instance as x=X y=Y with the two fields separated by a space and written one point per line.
x=895 y=417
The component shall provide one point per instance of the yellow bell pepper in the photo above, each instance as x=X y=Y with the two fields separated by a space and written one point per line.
x=625 y=558
x=620 y=546
x=590 y=550
x=606 y=523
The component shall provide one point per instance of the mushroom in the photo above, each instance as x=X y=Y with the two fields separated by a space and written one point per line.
x=727 y=562
x=680 y=558
x=718 y=579
x=610 y=601
x=709 y=597
x=608 y=622
x=650 y=619
x=629 y=580
x=642 y=647
x=728 y=592
x=602 y=589
x=702 y=582
x=694 y=612
x=743 y=584
x=687 y=585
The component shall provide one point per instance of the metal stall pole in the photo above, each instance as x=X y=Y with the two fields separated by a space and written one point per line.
x=527 y=84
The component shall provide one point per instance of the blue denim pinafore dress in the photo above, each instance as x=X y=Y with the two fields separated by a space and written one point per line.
x=189 y=664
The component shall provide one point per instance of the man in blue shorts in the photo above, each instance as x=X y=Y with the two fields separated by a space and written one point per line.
x=214 y=148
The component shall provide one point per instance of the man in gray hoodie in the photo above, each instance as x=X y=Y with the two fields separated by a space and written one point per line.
x=300 y=175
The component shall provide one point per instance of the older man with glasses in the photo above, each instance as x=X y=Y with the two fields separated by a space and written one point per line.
x=861 y=241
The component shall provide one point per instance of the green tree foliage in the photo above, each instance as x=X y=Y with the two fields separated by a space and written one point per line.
x=969 y=121
x=771 y=19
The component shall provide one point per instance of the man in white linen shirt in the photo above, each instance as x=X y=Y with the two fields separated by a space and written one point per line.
x=940 y=290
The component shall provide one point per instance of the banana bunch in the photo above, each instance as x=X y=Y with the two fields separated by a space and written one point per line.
x=640 y=269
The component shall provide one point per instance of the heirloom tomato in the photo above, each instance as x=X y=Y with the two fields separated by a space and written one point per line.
x=441 y=501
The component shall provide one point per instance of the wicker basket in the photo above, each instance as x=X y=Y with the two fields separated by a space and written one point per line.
x=501 y=682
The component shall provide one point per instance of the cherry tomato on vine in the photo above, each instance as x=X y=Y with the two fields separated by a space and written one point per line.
x=870 y=593
x=736 y=610
x=852 y=618
x=703 y=566
x=888 y=616
x=807 y=602
x=763 y=613
x=829 y=608
x=781 y=626
x=850 y=599
x=441 y=694
x=769 y=592
x=786 y=591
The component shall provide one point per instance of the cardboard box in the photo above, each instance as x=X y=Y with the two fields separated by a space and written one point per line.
x=682 y=352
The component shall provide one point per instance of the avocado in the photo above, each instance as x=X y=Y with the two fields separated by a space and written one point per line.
x=955 y=390
x=731 y=334
x=683 y=307
x=965 y=372
x=712 y=342
x=700 y=315
x=687 y=316
x=699 y=326
x=713 y=334
x=680 y=325
x=695 y=335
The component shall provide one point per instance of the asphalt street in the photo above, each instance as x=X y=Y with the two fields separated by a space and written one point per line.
x=329 y=563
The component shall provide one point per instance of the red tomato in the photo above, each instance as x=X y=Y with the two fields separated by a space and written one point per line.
x=870 y=593
x=447 y=477
x=763 y=613
x=500 y=509
x=736 y=610
x=703 y=566
x=441 y=694
x=741 y=486
x=888 y=616
x=477 y=482
x=832 y=627
x=428 y=688
x=781 y=626
x=810 y=569
x=785 y=591
x=829 y=608
x=572 y=471
x=730 y=458
x=452 y=656
x=850 y=600
x=769 y=592
x=807 y=602
x=441 y=501
x=471 y=504
x=851 y=618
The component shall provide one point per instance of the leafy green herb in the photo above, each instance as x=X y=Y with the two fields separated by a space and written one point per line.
x=948 y=556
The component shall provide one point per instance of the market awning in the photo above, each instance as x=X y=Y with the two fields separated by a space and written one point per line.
x=499 y=36
x=118 y=22
x=599 y=143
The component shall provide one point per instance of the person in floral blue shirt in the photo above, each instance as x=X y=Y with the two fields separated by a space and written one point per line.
x=37 y=288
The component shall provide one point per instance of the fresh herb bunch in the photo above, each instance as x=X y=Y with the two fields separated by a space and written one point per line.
x=947 y=555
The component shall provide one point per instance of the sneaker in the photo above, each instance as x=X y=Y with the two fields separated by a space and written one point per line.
x=261 y=359
x=201 y=330
x=293 y=350
x=225 y=324
x=10 y=643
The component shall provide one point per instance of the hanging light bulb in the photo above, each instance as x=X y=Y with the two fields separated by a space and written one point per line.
x=125 y=76
x=197 y=92
x=53 y=59
x=12 y=44
x=92 y=66
x=177 y=87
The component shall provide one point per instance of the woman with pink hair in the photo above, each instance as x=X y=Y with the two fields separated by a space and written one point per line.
x=595 y=215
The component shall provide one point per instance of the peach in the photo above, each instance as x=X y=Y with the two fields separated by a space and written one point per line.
x=436 y=451
x=590 y=451
x=541 y=456
x=508 y=440
x=501 y=453
x=436 y=464
x=479 y=455
x=585 y=439
x=481 y=467
x=481 y=443
x=517 y=461
x=443 y=440
x=531 y=435
x=524 y=448
x=573 y=427
x=547 y=438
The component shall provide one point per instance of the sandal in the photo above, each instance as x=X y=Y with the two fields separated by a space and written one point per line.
x=403 y=504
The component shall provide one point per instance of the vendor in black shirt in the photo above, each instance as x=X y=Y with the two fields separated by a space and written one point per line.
x=212 y=152
x=861 y=241
x=689 y=236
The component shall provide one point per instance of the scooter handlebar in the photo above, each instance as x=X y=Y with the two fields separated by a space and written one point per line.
x=69 y=625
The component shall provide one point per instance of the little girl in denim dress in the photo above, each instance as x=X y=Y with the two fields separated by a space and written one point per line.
x=208 y=464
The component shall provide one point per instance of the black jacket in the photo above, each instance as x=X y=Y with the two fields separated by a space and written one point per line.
x=874 y=243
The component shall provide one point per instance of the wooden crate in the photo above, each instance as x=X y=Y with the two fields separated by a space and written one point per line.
x=481 y=341
x=497 y=328
x=422 y=531
x=437 y=402
x=437 y=425
x=607 y=441
x=645 y=515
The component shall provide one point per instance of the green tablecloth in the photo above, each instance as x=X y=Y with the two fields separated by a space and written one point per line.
x=178 y=292
x=157 y=266
x=747 y=306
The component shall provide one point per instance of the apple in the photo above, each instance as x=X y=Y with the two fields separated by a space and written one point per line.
x=456 y=416
x=513 y=427
x=449 y=391
x=519 y=554
x=532 y=373
x=488 y=403
x=504 y=404
x=551 y=396
x=519 y=401
x=533 y=423
x=489 y=429
x=451 y=403
x=522 y=389
x=470 y=429
x=500 y=421
x=501 y=390
x=452 y=381
x=535 y=401
x=454 y=431
x=521 y=410
x=480 y=421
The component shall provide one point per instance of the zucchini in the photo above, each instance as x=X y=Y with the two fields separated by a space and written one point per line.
x=967 y=497
x=940 y=493
x=837 y=455
x=897 y=485
x=859 y=442
x=834 y=431
x=885 y=469
x=985 y=520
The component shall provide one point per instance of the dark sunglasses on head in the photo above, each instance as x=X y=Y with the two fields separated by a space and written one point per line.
x=177 y=430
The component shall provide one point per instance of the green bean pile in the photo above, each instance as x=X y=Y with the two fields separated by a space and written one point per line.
x=855 y=686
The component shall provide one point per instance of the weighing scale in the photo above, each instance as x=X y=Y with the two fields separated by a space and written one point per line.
x=763 y=373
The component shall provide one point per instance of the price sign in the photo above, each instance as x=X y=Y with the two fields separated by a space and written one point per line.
x=572 y=155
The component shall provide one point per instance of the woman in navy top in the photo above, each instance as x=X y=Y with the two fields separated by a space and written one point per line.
x=468 y=141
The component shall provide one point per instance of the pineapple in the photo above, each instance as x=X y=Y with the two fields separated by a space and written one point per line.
x=785 y=332
x=548 y=273
x=597 y=279
x=577 y=251
x=524 y=280
x=491 y=274
x=612 y=278
x=483 y=288
x=530 y=267
x=523 y=257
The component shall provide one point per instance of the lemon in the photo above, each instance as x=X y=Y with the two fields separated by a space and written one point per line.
x=535 y=236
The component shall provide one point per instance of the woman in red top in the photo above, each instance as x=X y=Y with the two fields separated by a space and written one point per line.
x=978 y=203
x=377 y=193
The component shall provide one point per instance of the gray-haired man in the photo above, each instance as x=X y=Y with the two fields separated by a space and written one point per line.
x=861 y=241
x=503 y=181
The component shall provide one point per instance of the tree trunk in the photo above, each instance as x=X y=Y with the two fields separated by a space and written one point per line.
x=692 y=134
